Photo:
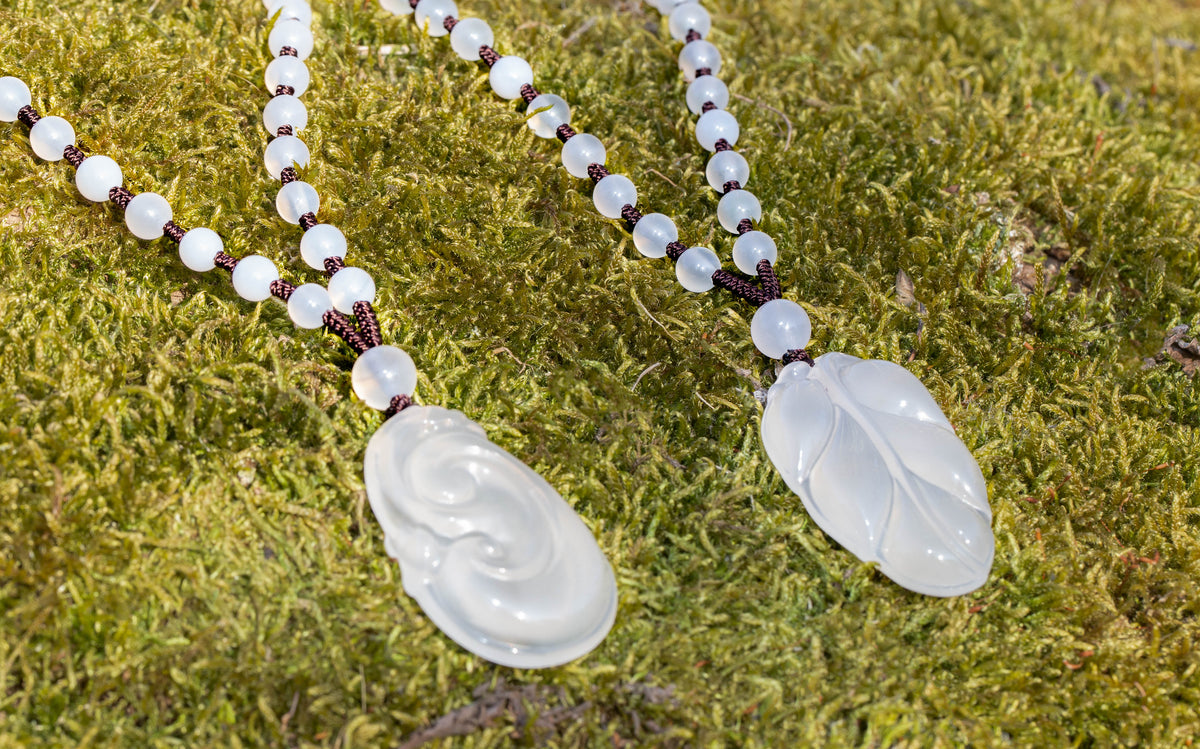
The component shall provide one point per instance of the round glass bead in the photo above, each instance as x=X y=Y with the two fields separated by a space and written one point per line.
x=287 y=71
x=381 y=373
x=97 y=175
x=714 y=125
x=292 y=10
x=735 y=206
x=198 y=249
x=431 y=13
x=285 y=151
x=350 y=285
x=14 y=94
x=284 y=110
x=469 y=35
x=296 y=199
x=320 y=242
x=508 y=75
x=727 y=166
x=698 y=55
x=291 y=33
x=780 y=326
x=396 y=7
x=613 y=193
x=580 y=152
x=545 y=124
x=146 y=214
x=652 y=233
x=688 y=17
x=751 y=247
x=49 y=136
x=308 y=304
x=252 y=277
x=695 y=268
x=704 y=89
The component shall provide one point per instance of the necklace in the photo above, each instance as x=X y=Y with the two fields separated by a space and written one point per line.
x=488 y=549
x=862 y=442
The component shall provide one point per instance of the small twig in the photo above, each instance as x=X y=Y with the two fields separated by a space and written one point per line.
x=645 y=372
x=514 y=356
x=574 y=35
x=764 y=105
x=642 y=307
x=655 y=171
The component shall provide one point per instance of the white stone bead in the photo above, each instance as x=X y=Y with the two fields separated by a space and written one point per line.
x=308 y=304
x=97 y=175
x=545 y=124
x=198 y=249
x=508 y=75
x=779 y=326
x=469 y=35
x=688 y=17
x=735 y=206
x=292 y=34
x=695 y=268
x=320 y=242
x=252 y=277
x=652 y=233
x=581 y=151
x=430 y=14
x=287 y=71
x=296 y=199
x=726 y=166
x=715 y=125
x=707 y=88
x=613 y=193
x=396 y=7
x=146 y=214
x=292 y=10
x=381 y=373
x=350 y=285
x=284 y=110
x=285 y=151
x=14 y=94
x=49 y=136
x=751 y=247
x=697 y=55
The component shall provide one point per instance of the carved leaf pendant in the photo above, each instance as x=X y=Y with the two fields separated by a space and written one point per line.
x=491 y=552
x=879 y=467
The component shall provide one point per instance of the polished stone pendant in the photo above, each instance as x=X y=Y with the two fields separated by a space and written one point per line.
x=491 y=552
x=879 y=467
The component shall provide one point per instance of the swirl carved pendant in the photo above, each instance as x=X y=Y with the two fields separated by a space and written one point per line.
x=879 y=467
x=491 y=552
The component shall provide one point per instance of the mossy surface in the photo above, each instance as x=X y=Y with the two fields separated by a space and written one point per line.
x=188 y=556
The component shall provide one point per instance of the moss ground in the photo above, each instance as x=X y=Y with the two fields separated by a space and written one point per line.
x=188 y=557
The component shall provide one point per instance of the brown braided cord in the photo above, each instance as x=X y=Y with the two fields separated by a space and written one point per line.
x=693 y=35
x=343 y=328
x=529 y=93
x=173 y=231
x=308 y=221
x=703 y=72
x=228 y=262
x=449 y=22
x=398 y=404
x=288 y=175
x=798 y=354
x=707 y=107
x=739 y=287
x=675 y=249
x=120 y=197
x=730 y=186
x=413 y=3
x=597 y=172
x=285 y=50
x=73 y=155
x=368 y=323
x=333 y=265
x=489 y=55
x=768 y=280
x=284 y=130
x=282 y=90
x=565 y=132
x=722 y=145
x=282 y=289
x=631 y=215
x=28 y=115
x=745 y=225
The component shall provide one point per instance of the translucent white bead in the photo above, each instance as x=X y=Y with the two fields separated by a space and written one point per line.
x=381 y=373
x=652 y=233
x=308 y=304
x=581 y=151
x=508 y=75
x=433 y=13
x=707 y=88
x=97 y=175
x=285 y=110
x=49 y=136
x=697 y=55
x=715 y=125
x=695 y=267
x=779 y=326
x=545 y=124
x=296 y=199
x=751 y=247
x=146 y=214
x=285 y=151
x=735 y=206
x=688 y=17
x=396 y=7
x=320 y=242
x=727 y=166
x=469 y=35
x=287 y=71
x=613 y=193
x=14 y=94
x=350 y=285
x=252 y=277
x=291 y=33
x=198 y=249
x=292 y=10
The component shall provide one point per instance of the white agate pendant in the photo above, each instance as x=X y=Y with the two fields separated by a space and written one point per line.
x=493 y=555
x=879 y=468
